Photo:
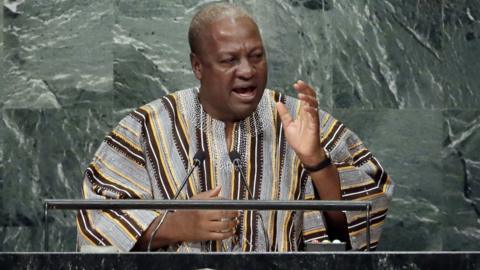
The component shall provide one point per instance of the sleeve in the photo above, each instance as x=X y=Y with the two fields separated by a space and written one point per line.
x=362 y=178
x=118 y=171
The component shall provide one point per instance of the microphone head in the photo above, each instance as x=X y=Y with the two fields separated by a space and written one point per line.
x=199 y=157
x=234 y=156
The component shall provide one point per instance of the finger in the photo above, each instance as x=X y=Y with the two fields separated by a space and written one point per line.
x=310 y=100
x=208 y=194
x=232 y=214
x=222 y=214
x=312 y=112
x=304 y=88
x=223 y=226
x=285 y=116
x=220 y=235
x=214 y=192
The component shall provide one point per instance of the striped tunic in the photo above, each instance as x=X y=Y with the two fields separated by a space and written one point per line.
x=150 y=151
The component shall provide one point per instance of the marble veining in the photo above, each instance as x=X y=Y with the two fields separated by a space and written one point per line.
x=404 y=75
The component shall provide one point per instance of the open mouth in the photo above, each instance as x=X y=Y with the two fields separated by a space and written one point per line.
x=245 y=93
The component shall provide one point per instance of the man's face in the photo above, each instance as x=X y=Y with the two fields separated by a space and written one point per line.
x=232 y=69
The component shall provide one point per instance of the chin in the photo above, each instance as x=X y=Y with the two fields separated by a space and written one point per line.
x=243 y=113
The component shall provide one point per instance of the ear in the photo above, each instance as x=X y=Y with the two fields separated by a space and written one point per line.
x=196 y=66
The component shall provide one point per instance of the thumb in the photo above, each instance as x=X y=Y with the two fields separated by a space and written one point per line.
x=285 y=116
x=214 y=192
x=208 y=194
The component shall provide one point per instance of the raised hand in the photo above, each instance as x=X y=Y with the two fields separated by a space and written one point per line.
x=303 y=133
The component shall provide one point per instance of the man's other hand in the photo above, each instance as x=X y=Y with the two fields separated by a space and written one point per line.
x=201 y=225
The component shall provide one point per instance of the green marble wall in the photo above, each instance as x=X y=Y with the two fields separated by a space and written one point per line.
x=405 y=75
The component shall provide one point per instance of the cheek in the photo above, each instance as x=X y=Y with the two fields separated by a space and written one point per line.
x=223 y=75
x=262 y=73
x=262 y=67
x=227 y=78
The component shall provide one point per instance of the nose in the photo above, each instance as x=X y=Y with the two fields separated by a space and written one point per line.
x=246 y=70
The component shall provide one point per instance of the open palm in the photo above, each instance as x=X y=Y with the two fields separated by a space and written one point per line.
x=303 y=132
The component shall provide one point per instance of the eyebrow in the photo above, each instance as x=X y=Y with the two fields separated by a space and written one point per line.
x=259 y=47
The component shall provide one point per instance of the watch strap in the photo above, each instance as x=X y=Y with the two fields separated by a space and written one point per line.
x=320 y=166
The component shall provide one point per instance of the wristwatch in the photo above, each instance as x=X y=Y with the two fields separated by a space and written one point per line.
x=320 y=166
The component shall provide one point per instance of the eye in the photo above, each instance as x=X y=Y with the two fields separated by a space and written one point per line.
x=227 y=60
x=257 y=56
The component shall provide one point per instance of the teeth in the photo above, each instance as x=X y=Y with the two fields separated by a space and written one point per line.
x=244 y=89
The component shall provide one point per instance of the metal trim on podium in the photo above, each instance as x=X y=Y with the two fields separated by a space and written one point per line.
x=320 y=205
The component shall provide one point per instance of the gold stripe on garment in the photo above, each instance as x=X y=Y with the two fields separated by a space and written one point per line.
x=330 y=130
x=284 y=240
x=184 y=125
x=127 y=214
x=357 y=145
x=118 y=184
x=358 y=152
x=163 y=149
x=293 y=177
x=244 y=231
x=324 y=119
x=119 y=224
x=128 y=141
x=314 y=230
x=346 y=167
x=232 y=186
x=181 y=123
x=85 y=189
x=135 y=183
x=182 y=134
x=310 y=197
x=136 y=134
x=103 y=234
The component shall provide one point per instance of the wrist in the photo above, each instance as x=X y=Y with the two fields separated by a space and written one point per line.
x=313 y=159
x=171 y=229
x=318 y=164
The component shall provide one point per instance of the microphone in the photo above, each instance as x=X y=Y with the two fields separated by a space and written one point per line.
x=237 y=163
x=198 y=158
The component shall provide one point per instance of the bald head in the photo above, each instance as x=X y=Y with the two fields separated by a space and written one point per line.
x=208 y=15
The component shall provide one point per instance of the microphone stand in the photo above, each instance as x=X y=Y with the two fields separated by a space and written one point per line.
x=197 y=160
x=235 y=158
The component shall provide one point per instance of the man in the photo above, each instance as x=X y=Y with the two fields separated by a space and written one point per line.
x=284 y=144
